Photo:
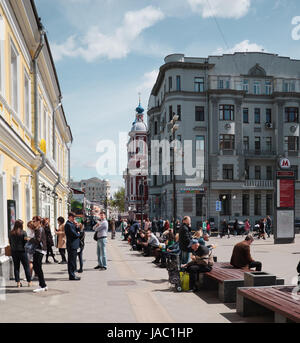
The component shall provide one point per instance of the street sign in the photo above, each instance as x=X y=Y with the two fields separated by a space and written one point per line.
x=218 y=206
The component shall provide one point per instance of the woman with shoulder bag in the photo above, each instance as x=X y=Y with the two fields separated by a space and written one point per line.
x=61 y=240
x=17 y=241
x=29 y=246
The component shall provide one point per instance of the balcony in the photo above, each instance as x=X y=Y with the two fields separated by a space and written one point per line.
x=259 y=184
x=259 y=153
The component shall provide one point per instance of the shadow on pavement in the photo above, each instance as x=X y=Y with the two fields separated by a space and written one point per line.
x=156 y=281
x=208 y=296
x=16 y=290
x=235 y=318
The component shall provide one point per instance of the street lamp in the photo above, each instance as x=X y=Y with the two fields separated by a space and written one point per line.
x=174 y=128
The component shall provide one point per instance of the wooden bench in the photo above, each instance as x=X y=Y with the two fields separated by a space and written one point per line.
x=224 y=278
x=263 y=300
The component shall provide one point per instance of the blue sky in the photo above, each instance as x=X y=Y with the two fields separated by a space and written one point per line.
x=107 y=51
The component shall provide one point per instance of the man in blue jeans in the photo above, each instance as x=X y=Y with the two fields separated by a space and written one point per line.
x=101 y=228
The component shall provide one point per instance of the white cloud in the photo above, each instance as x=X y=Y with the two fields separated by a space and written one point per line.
x=149 y=80
x=220 y=8
x=244 y=46
x=94 y=44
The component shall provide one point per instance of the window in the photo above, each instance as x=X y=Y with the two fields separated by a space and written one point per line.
x=227 y=84
x=221 y=84
x=257 y=173
x=179 y=112
x=170 y=113
x=199 y=113
x=40 y=117
x=246 y=86
x=187 y=204
x=246 y=143
x=199 y=205
x=268 y=115
x=246 y=115
x=257 y=205
x=199 y=84
x=227 y=171
x=256 y=87
x=27 y=100
x=246 y=171
x=178 y=83
x=257 y=116
x=14 y=78
x=269 y=204
x=227 y=142
x=268 y=86
x=226 y=204
x=226 y=112
x=291 y=114
x=269 y=173
x=155 y=127
x=295 y=170
x=200 y=143
x=170 y=83
x=291 y=143
x=2 y=45
x=257 y=144
x=289 y=86
x=269 y=144
x=246 y=205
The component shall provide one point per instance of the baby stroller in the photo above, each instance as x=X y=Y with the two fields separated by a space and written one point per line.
x=173 y=268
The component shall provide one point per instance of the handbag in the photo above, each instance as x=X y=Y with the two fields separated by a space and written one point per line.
x=185 y=281
x=8 y=251
x=95 y=236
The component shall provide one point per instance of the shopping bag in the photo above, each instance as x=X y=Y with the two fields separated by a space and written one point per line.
x=185 y=281
x=8 y=251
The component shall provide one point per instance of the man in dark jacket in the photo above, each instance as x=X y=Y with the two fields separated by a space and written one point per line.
x=73 y=242
x=154 y=226
x=241 y=257
x=184 y=240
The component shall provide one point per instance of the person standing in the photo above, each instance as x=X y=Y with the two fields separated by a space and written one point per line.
x=73 y=243
x=61 y=240
x=241 y=257
x=30 y=235
x=40 y=242
x=204 y=227
x=208 y=227
x=235 y=227
x=154 y=226
x=247 y=227
x=50 y=243
x=17 y=239
x=268 y=226
x=184 y=240
x=225 y=229
x=113 y=228
x=261 y=232
x=101 y=228
x=81 y=245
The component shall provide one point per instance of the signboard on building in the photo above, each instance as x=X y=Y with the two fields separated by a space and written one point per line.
x=218 y=206
x=284 y=227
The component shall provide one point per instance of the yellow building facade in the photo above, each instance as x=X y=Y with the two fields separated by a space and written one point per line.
x=32 y=181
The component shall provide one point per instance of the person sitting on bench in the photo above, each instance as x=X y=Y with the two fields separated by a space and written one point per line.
x=241 y=257
x=201 y=262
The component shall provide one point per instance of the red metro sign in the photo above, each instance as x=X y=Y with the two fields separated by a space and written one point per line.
x=284 y=163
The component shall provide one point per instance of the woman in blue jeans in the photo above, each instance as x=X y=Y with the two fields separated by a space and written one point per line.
x=17 y=240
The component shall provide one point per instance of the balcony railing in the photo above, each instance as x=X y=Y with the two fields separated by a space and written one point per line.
x=259 y=153
x=259 y=184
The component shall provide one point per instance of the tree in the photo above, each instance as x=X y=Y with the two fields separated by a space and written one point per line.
x=118 y=200
x=76 y=207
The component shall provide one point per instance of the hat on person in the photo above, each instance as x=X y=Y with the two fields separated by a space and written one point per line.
x=192 y=242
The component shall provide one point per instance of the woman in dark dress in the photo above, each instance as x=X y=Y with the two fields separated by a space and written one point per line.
x=17 y=240
x=50 y=243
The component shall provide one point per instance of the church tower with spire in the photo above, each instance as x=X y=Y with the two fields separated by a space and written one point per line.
x=136 y=174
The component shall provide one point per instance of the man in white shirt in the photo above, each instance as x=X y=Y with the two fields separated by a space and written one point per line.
x=152 y=244
x=101 y=228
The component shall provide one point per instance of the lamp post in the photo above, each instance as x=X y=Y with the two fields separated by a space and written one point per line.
x=174 y=128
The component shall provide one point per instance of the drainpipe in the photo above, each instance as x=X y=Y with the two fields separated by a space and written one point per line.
x=208 y=141
x=36 y=131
